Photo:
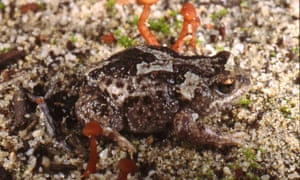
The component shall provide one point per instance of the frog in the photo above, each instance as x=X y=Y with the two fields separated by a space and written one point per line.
x=152 y=89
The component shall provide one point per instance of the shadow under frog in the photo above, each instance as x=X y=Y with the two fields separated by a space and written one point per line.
x=151 y=89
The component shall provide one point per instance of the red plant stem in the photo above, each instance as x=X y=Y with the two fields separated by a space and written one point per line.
x=122 y=175
x=144 y=30
x=91 y=167
x=190 y=18
x=180 y=40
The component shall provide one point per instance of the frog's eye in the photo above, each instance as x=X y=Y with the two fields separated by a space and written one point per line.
x=225 y=86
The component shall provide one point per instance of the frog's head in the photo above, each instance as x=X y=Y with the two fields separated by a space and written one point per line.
x=219 y=88
x=225 y=89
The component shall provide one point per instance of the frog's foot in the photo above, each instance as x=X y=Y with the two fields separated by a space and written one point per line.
x=186 y=127
x=121 y=140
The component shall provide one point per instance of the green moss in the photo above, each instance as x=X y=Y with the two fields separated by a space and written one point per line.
x=135 y=142
x=160 y=25
x=219 y=48
x=220 y=14
x=244 y=101
x=199 y=42
x=117 y=32
x=123 y=40
x=251 y=158
x=243 y=3
x=73 y=38
x=232 y=165
x=110 y=7
x=286 y=111
x=2 y=6
x=214 y=16
x=271 y=101
x=262 y=150
x=110 y=4
x=4 y=50
x=52 y=41
x=42 y=6
x=244 y=29
x=135 y=20
x=295 y=50
x=176 y=23
x=273 y=54
x=249 y=154
x=223 y=12
x=173 y=13
x=255 y=166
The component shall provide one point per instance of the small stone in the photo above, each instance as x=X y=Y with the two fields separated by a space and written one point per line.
x=38 y=133
x=294 y=175
x=45 y=162
x=226 y=171
x=265 y=177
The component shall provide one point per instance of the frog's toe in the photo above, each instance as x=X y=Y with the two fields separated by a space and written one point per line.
x=237 y=138
x=234 y=139
x=121 y=140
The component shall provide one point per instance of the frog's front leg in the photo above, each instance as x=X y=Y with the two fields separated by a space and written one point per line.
x=98 y=108
x=187 y=128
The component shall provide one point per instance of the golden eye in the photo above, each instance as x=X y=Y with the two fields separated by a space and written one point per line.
x=225 y=86
x=228 y=81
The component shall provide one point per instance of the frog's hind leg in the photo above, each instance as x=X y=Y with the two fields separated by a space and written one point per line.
x=187 y=128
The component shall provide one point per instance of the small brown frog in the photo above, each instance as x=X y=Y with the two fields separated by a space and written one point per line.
x=150 y=89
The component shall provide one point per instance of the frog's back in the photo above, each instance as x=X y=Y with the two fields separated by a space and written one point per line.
x=145 y=60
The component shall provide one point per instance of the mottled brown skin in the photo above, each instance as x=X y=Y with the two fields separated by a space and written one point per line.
x=151 y=89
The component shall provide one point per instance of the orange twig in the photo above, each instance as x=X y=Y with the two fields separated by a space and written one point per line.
x=91 y=167
x=144 y=30
x=92 y=130
x=189 y=14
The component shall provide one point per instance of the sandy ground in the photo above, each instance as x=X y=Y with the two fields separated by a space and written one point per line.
x=57 y=41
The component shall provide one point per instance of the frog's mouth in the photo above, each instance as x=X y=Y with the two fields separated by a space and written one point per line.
x=228 y=91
